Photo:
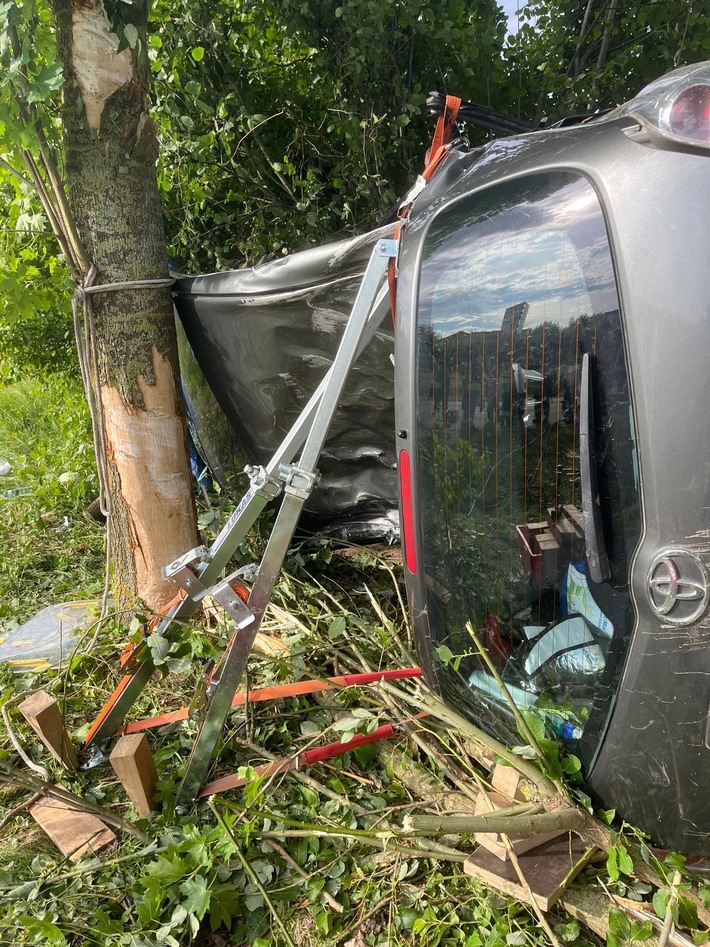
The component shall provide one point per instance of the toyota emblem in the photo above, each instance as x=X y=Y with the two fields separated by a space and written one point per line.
x=678 y=587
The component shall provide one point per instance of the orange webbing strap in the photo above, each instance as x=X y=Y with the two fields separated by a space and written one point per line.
x=108 y=707
x=129 y=651
x=436 y=154
x=166 y=612
x=297 y=689
x=445 y=125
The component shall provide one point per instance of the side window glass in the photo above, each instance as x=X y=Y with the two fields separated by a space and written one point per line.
x=523 y=420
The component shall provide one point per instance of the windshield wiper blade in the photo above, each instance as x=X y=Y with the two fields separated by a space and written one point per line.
x=597 y=559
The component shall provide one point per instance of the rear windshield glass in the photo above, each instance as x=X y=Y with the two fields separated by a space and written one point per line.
x=523 y=420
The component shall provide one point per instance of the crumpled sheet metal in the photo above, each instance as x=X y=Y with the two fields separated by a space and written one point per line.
x=264 y=338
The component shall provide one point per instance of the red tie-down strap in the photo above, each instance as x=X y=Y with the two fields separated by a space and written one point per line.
x=317 y=755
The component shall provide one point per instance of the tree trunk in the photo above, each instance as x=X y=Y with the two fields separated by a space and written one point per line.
x=110 y=152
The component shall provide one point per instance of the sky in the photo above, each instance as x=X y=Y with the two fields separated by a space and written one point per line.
x=509 y=8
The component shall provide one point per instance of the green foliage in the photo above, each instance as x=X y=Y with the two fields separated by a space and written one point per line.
x=570 y=58
x=284 y=123
x=35 y=328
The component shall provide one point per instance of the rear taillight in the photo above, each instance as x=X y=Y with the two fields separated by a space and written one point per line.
x=677 y=106
x=690 y=114
x=405 y=489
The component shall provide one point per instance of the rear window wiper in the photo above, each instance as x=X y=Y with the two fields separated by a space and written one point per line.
x=597 y=559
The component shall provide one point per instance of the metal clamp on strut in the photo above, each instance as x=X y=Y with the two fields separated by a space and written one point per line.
x=181 y=573
x=174 y=570
x=262 y=483
x=298 y=481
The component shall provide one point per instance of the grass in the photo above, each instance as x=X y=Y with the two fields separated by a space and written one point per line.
x=283 y=860
x=51 y=551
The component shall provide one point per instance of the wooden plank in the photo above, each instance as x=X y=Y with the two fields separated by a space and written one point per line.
x=133 y=763
x=42 y=713
x=73 y=832
x=494 y=843
x=548 y=870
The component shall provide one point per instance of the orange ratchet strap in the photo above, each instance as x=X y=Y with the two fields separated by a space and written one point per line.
x=126 y=655
x=439 y=149
x=275 y=693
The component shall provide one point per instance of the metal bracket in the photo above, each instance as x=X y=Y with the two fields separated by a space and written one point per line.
x=298 y=481
x=203 y=692
x=95 y=757
x=198 y=554
x=231 y=603
x=386 y=248
x=262 y=483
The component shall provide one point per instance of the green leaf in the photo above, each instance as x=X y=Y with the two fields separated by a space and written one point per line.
x=567 y=932
x=159 y=648
x=198 y=53
x=130 y=35
x=166 y=870
x=687 y=913
x=263 y=870
x=619 y=924
x=197 y=896
x=535 y=725
x=44 y=928
x=515 y=939
x=641 y=930
x=314 y=886
x=612 y=863
x=571 y=765
x=445 y=654
x=336 y=627
x=626 y=864
x=323 y=922
x=224 y=905
x=660 y=902
x=310 y=796
x=407 y=917
x=48 y=81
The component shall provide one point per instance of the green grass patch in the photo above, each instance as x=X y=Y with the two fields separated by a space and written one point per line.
x=50 y=550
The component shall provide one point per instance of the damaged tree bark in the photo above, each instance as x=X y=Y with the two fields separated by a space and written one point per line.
x=110 y=152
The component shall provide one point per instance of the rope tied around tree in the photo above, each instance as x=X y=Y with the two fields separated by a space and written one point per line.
x=88 y=363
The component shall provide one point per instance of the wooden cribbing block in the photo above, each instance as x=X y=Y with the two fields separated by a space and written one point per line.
x=506 y=780
x=548 y=869
x=42 y=713
x=494 y=843
x=133 y=763
x=73 y=832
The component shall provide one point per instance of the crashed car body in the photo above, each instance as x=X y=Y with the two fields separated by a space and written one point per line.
x=550 y=438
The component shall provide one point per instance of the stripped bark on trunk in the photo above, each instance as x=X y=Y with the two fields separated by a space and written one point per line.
x=110 y=149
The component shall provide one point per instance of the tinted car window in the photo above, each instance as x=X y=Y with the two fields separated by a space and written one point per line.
x=516 y=288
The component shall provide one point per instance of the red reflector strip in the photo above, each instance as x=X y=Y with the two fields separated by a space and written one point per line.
x=405 y=487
